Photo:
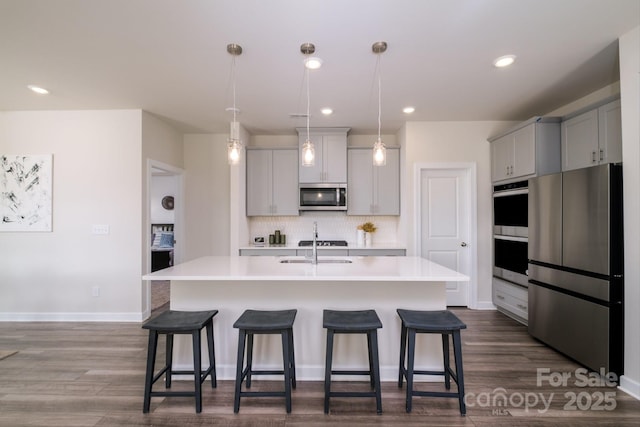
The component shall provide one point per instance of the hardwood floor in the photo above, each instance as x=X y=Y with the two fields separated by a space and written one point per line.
x=92 y=374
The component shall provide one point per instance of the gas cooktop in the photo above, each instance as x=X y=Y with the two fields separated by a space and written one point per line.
x=323 y=243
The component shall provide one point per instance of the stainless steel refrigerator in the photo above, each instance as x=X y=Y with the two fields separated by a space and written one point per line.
x=576 y=264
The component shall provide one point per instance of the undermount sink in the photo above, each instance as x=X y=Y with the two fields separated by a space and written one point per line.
x=321 y=260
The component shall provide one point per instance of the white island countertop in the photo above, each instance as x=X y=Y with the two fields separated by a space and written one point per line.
x=270 y=268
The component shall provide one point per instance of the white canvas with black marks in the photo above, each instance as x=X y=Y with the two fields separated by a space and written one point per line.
x=25 y=192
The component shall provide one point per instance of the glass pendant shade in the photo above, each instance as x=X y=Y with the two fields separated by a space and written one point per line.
x=379 y=153
x=308 y=154
x=234 y=146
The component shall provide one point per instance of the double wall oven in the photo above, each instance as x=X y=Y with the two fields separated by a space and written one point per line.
x=510 y=232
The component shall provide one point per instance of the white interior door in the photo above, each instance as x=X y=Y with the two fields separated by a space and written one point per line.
x=444 y=225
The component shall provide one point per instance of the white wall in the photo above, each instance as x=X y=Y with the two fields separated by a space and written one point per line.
x=206 y=195
x=96 y=180
x=453 y=142
x=630 y=100
x=162 y=186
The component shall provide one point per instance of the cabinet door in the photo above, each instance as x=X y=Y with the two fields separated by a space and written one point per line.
x=285 y=182
x=524 y=151
x=580 y=141
x=334 y=158
x=386 y=184
x=359 y=187
x=501 y=158
x=315 y=173
x=610 y=133
x=259 y=183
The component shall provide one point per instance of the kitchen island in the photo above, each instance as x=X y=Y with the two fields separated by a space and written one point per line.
x=233 y=284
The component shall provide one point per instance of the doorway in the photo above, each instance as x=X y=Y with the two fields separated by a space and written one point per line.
x=446 y=223
x=165 y=230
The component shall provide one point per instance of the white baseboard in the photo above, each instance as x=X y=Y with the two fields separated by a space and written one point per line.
x=484 y=305
x=71 y=317
x=630 y=386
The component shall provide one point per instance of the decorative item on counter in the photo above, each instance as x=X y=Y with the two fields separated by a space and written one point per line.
x=277 y=239
x=364 y=234
x=258 y=241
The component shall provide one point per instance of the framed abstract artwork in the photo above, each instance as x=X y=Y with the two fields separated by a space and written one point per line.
x=25 y=192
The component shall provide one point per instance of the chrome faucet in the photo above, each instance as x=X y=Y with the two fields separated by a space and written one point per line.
x=314 y=253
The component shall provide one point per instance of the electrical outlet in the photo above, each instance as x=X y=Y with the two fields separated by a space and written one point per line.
x=100 y=229
x=95 y=291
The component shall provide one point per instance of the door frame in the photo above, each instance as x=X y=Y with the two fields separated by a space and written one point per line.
x=178 y=226
x=472 y=203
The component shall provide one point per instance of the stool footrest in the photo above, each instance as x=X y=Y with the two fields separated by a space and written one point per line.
x=264 y=393
x=352 y=394
x=350 y=372
x=435 y=393
x=173 y=393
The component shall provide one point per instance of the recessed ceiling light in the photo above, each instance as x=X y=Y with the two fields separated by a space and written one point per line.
x=327 y=111
x=38 y=89
x=408 y=110
x=504 y=61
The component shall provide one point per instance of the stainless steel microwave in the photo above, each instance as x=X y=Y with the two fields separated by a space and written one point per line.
x=323 y=197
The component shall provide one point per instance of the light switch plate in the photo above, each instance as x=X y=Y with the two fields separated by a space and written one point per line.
x=100 y=229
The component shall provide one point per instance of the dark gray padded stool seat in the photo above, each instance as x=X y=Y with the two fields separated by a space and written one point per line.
x=253 y=322
x=170 y=323
x=353 y=322
x=441 y=322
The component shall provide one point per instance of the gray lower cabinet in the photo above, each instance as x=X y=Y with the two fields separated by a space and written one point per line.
x=511 y=299
x=373 y=190
x=323 y=252
x=272 y=182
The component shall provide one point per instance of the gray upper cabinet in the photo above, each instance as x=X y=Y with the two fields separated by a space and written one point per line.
x=331 y=155
x=530 y=149
x=272 y=182
x=592 y=137
x=373 y=190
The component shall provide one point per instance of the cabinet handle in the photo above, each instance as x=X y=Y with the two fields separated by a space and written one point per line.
x=522 y=307
x=601 y=154
x=500 y=297
x=507 y=170
x=593 y=156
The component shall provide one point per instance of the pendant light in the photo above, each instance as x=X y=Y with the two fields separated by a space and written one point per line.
x=379 y=150
x=308 y=153
x=234 y=145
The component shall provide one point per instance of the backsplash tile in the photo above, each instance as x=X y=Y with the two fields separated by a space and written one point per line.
x=331 y=226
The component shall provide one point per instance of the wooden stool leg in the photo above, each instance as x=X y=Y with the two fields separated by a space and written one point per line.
x=403 y=349
x=148 y=381
x=373 y=337
x=327 y=370
x=212 y=355
x=292 y=358
x=239 y=369
x=457 y=354
x=410 y=363
x=286 y=363
x=249 y=358
x=168 y=360
x=370 y=355
x=446 y=362
x=197 y=369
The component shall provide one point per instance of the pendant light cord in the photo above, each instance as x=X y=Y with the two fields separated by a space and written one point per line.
x=308 y=101
x=233 y=73
x=379 y=94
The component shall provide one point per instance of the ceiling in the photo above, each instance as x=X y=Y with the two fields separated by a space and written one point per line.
x=169 y=58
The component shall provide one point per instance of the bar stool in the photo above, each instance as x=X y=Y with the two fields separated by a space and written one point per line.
x=441 y=322
x=171 y=323
x=353 y=322
x=253 y=322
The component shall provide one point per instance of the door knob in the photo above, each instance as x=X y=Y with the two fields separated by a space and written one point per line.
x=463 y=244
